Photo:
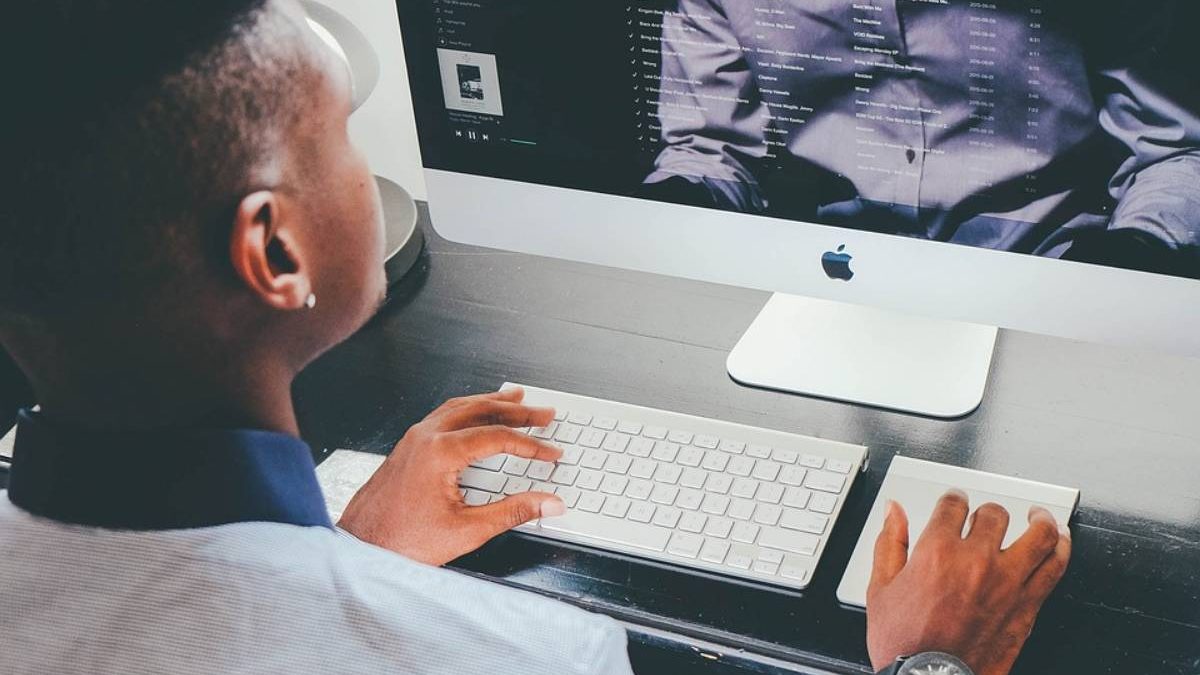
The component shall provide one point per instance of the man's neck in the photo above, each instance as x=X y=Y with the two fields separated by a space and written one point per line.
x=131 y=381
x=254 y=405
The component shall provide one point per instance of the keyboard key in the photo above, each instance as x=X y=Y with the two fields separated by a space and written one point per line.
x=544 y=433
x=794 y=567
x=684 y=544
x=742 y=509
x=605 y=423
x=571 y=455
x=759 y=451
x=642 y=468
x=618 y=464
x=690 y=456
x=665 y=451
x=657 y=433
x=745 y=532
x=667 y=516
x=785 y=456
x=640 y=447
x=740 y=466
x=616 y=507
x=796 y=497
x=664 y=494
x=823 y=503
x=744 y=488
x=718 y=527
x=839 y=465
x=811 y=461
x=631 y=428
x=542 y=486
x=639 y=489
x=792 y=475
x=715 y=504
x=733 y=447
x=680 y=437
x=804 y=521
x=567 y=433
x=706 y=442
x=475 y=498
x=560 y=415
x=591 y=502
x=767 y=514
x=488 y=481
x=564 y=475
x=714 y=551
x=589 y=479
x=540 y=470
x=692 y=522
x=693 y=478
x=740 y=556
x=764 y=470
x=787 y=540
x=770 y=555
x=516 y=466
x=582 y=419
x=592 y=438
x=608 y=529
x=614 y=484
x=569 y=495
x=689 y=499
x=715 y=461
x=517 y=486
x=667 y=473
x=615 y=443
x=593 y=459
x=764 y=567
x=769 y=493
x=825 y=481
x=493 y=463
x=718 y=483
x=641 y=512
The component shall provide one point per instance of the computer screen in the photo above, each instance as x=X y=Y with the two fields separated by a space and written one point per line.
x=1056 y=128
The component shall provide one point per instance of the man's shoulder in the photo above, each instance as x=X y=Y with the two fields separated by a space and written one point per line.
x=366 y=604
x=374 y=597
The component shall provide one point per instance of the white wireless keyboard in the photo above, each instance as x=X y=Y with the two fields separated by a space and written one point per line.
x=705 y=494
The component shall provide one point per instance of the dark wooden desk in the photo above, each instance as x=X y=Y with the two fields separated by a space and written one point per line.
x=1123 y=427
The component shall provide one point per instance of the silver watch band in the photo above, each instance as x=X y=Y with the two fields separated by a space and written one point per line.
x=932 y=663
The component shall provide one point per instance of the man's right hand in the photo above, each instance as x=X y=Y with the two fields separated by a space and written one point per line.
x=961 y=596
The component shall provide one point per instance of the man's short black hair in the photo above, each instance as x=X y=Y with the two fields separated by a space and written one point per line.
x=132 y=127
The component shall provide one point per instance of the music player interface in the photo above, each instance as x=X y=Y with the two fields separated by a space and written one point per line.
x=1060 y=128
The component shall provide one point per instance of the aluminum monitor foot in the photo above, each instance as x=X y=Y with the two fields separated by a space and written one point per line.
x=863 y=355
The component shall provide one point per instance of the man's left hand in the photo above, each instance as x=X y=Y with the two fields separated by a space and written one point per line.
x=412 y=505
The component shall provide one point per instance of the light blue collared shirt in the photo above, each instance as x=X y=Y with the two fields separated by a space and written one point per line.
x=189 y=587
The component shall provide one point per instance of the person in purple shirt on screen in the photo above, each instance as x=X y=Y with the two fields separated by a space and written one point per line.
x=1058 y=128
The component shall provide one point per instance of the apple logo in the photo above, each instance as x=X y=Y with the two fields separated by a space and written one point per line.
x=837 y=264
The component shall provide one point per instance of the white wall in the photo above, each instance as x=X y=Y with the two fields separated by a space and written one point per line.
x=383 y=127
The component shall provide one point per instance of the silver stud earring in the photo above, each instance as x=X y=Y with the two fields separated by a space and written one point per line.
x=311 y=301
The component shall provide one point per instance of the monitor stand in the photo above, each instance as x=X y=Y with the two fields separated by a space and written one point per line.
x=865 y=355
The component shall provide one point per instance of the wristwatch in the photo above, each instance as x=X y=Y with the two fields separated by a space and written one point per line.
x=928 y=663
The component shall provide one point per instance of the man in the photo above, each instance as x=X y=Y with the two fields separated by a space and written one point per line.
x=1061 y=129
x=187 y=226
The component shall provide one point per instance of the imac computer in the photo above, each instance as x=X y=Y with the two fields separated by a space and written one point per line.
x=906 y=176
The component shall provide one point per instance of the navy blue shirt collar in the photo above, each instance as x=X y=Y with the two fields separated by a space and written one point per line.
x=163 y=480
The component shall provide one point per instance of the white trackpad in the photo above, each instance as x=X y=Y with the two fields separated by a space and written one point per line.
x=917 y=485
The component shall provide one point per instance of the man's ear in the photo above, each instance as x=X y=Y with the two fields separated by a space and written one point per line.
x=266 y=255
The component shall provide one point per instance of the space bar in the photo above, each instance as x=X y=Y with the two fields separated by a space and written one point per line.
x=609 y=529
